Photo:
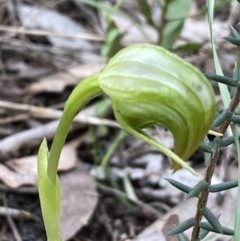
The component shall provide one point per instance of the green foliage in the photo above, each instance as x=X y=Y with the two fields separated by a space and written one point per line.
x=223 y=186
x=145 y=9
x=188 y=47
x=147 y=85
x=113 y=41
x=173 y=17
x=223 y=79
x=211 y=150
x=212 y=219
x=174 y=13
x=50 y=195
x=179 y=185
x=226 y=101
x=197 y=189
x=181 y=237
x=209 y=227
x=183 y=226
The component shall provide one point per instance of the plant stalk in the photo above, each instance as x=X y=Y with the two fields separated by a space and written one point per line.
x=162 y=22
x=203 y=198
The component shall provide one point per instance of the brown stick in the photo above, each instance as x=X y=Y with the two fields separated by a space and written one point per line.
x=202 y=201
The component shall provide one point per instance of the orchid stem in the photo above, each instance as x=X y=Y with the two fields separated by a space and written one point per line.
x=81 y=95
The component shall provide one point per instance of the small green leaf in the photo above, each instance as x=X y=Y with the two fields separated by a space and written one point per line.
x=235 y=33
x=233 y=40
x=236 y=119
x=179 y=185
x=129 y=188
x=149 y=85
x=49 y=195
x=206 y=154
x=203 y=233
x=183 y=226
x=225 y=230
x=189 y=47
x=212 y=219
x=197 y=189
x=223 y=186
x=217 y=144
x=176 y=12
x=226 y=114
x=113 y=41
x=102 y=106
x=228 y=140
x=222 y=79
x=205 y=147
x=181 y=237
x=146 y=11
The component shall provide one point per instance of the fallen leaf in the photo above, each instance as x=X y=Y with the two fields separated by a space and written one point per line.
x=170 y=223
x=35 y=17
x=79 y=199
x=14 y=179
x=57 y=82
x=68 y=156
x=23 y=171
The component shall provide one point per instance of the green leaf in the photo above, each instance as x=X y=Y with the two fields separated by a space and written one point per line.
x=49 y=195
x=113 y=41
x=183 y=226
x=205 y=147
x=223 y=186
x=188 y=47
x=207 y=152
x=233 y=40
x=146 y=11
x=225 y=230
x=223 y=88
x=212 y=219
x=176 y=12
x=222 y=79
x=201 y=185
x=181 y=237
x=226 y=114
x=179 y=185
x=235 y=33
x=149 y=85
x=203 y=232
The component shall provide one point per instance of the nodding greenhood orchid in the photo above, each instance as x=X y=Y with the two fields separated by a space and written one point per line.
x=147 y=85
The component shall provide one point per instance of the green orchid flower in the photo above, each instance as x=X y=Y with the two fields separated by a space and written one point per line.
x=147 y=86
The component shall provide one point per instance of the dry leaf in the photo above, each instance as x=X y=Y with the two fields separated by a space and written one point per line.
x=170 y=223
x=35 y=17
x=23 y=171
x=57 y=82
x=16 y=179
x=79 y=198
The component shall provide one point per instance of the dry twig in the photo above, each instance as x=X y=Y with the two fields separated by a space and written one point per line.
x=202 y=201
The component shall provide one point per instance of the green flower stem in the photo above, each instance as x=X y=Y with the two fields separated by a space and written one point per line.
x=81 y=95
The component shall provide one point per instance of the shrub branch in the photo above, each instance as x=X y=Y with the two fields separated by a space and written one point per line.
x=202 y=201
